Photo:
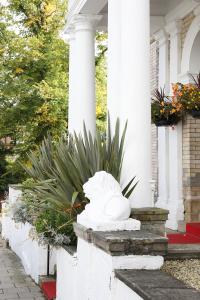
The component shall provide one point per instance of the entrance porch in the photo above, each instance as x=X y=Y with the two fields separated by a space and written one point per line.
x=150 y=44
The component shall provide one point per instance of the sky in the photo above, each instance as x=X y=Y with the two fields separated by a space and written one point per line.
x=3 y=2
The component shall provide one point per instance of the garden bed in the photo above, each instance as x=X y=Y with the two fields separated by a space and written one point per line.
x=185 y=270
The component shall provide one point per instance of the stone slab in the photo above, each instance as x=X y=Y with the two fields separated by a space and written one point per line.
x=130 y=242
x=156 y=285
x=124 y=242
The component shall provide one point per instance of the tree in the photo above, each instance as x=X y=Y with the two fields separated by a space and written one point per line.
x=33 y=79
x=101 y=78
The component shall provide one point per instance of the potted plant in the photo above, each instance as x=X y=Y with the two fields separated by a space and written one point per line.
x=165 y=111
x=188 y=95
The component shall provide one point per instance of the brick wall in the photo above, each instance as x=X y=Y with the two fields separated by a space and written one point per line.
x=154 y=84
x=191 y=168
x=191 y=152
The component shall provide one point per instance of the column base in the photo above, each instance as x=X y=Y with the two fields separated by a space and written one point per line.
x=176 y=214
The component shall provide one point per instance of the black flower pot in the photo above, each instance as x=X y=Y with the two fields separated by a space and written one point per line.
x=172 y=120
x=163 y=122
x=195 y=114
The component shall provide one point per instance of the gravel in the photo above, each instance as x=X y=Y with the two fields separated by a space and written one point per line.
x=186 y=270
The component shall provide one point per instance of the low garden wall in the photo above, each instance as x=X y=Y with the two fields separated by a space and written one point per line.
x=32 y=255
x=89 y=273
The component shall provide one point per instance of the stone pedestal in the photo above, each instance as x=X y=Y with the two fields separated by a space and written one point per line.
x=152 y=219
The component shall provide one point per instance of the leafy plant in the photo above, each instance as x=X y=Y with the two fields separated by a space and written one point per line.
x=49 y=226
x=54 y=228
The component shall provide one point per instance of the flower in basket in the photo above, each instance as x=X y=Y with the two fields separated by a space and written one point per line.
x=165 y=110
x=188 y=95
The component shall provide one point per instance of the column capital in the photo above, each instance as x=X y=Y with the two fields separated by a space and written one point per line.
x=174 y=28
x=161 y=36
x=70 y=33
x=85 y=22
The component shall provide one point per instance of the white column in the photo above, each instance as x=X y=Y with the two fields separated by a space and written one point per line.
x=84 y=110
x=175 y=201
x=70 y=4
x=135 y=104
x=72 y=105
x=174 y=30
x=163 y=167
x=163 y=73
x=163 y=132
x=114 y=59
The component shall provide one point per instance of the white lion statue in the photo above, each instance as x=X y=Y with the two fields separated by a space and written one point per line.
x=106 y=200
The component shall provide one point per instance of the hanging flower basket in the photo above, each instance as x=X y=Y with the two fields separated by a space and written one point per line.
x=164 y=110
x=195 y=113
x=188 y=95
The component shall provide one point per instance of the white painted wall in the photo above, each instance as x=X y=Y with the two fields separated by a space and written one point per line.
x=66 y=275
x=90 y=273
x=32 y=255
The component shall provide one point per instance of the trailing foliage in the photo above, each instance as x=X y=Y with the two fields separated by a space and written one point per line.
x=49 y=226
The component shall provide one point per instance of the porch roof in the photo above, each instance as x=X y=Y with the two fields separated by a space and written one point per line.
x=161 y=11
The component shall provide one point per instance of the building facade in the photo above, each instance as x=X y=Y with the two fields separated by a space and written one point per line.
x=151 y=43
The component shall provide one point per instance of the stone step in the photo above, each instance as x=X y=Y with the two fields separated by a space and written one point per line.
x=193 y=228
x=183 y=251
x=156 y=285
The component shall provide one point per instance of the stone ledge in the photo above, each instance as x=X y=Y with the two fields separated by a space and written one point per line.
x=119 y=243
x=83 y=232
x=156 y=285
x=70 y=249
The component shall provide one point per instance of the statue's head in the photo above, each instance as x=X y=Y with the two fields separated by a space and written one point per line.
x=101 y=184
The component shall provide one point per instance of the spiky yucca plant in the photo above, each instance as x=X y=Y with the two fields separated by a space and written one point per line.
x=61 y=170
